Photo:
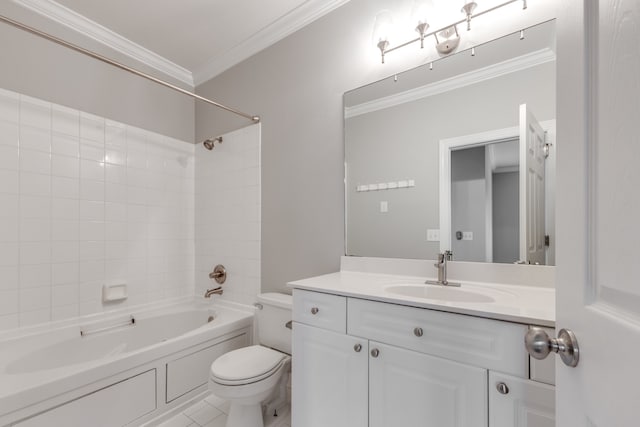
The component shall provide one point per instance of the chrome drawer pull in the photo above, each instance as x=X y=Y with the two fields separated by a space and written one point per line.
x=418 y=332
x=315 y=310
x=375 y=352
x=357 y=348
x=502 y=388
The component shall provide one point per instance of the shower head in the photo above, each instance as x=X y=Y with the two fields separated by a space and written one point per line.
x=209 y=143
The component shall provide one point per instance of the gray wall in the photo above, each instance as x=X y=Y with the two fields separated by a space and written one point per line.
x=296 y=86
x=42 y=69
x=506 y=217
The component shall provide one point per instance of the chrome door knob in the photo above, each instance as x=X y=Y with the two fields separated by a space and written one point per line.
x=375 y=352
x=539 y=345
x=315 y=310
x=357 y=348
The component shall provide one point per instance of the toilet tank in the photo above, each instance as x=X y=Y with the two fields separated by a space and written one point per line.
x=272 y=320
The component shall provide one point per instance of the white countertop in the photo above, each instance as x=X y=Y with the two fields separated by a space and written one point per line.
x=513 y=303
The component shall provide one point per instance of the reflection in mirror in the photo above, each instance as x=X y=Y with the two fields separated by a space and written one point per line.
x=435 y=152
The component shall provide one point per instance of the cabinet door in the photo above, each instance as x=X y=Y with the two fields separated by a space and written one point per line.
x=329 y=379
x=410 y=389
x=522 y=403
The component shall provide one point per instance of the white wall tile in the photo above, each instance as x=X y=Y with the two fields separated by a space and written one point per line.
x=34 y=276
x=78 y=196
x=28 y=318
x=92 y=127
x=9 y=105
x=65 y=209
x=35 y=184
x=38 y=252
x=9 y=181
x=9 y=157
x=35 y=161
x=65 y=251
x=65 y=187
x=92 y=190
x=35 y=112
x=66 y=273
x=35 y=139
x=9 y=133
x=65 y=121
x=32 y=299
x=66 y=166
x=9 y=302
x=65 y=145
x=9 y=277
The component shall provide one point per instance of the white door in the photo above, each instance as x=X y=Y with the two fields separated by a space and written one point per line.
x=330 y=379
x=597 y=277
x=410 y=389
x=532 y=157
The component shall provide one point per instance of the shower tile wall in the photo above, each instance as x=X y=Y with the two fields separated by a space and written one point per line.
x=227 y=221
x=86 y=201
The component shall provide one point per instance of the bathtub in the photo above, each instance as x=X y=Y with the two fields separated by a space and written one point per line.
x=127 y=368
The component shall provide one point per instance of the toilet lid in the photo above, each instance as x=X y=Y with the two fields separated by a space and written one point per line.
x=246 y=364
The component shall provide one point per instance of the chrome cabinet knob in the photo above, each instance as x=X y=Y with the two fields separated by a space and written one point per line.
x=418 y=332
x=375 y=352
x=539 y=345
x=315 y=310
x=502 y=388
x=357 y=348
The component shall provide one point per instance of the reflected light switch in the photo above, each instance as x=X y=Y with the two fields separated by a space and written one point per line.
x=433 y=235
x=384 y=206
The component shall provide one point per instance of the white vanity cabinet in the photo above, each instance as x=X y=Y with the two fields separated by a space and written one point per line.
x=407 y=388
x=517 y=402
x=330 y=368
x=379 y=364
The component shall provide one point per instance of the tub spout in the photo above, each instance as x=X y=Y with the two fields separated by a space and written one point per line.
x=216 y=291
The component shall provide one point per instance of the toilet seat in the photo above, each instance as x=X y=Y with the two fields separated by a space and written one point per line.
x=246 y=365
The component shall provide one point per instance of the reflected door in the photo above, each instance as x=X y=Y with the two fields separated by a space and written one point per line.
x=532 y=158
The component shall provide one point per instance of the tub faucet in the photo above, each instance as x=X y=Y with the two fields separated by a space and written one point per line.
x=216 y=291
x=441 y=265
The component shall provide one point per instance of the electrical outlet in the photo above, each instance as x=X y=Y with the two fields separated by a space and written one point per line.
x=467 y=235
x=384 y=207
x=433 y=235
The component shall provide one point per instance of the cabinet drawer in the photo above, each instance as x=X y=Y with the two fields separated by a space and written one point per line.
x=486 y=343
x=321 y=310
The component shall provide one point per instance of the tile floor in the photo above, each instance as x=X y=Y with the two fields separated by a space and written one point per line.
x=212 y=412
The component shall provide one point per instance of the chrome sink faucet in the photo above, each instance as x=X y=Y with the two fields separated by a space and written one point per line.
x=441 y=265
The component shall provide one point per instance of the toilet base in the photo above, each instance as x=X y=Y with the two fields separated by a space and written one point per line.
x=245 y=415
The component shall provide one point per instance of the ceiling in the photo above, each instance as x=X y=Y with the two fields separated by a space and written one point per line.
x=191 y=40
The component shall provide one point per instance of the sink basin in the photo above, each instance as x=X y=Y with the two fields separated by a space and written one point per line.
x=440 y=293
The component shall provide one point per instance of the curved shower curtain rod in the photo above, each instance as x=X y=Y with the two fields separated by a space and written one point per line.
x=99 y=57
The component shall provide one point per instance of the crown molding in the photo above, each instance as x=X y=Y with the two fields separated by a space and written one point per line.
x=301 y=16
x=91 y=29
x=509 y=66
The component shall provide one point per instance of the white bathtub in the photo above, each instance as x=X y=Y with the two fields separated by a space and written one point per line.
x=117 y=371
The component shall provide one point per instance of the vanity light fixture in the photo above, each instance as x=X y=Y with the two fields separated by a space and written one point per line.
x=447 y=38
x=467 y=9
x=381 y=30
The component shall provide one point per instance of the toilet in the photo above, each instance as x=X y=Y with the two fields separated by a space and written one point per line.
x=252 y=376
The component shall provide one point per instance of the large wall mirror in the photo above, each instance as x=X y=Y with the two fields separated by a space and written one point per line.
x=457 y=155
